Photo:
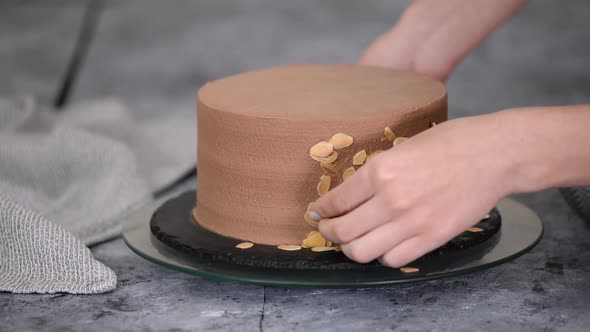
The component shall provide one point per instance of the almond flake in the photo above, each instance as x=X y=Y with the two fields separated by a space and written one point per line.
x=347 y=173
x=324 y=185
x=359 y=158
x=341 y=141
x=329 y=168
x=315 y=240
x=399 y=140
x=432 y=124
x=321 y=249
x=475 y=230
x=329 y=159
x=321 y=149
x=487 y=216
x=245 y=245
x=408 y=269
x=312 y=233
x=289 y=247
x=388 y=133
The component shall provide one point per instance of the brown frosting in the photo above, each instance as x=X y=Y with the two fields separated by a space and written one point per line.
x=255 y=177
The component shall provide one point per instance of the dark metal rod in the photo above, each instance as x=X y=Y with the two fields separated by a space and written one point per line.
x=87 y=32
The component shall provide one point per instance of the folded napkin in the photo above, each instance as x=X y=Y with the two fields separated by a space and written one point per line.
x=68 y=179
x=579 y=200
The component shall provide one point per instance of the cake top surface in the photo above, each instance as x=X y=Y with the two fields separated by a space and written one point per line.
x=311 y=91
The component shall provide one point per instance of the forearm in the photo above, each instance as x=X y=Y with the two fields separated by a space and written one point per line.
x=433 y=36
x=546 y=146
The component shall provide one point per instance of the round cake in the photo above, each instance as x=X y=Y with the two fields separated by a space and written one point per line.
x=256 y=172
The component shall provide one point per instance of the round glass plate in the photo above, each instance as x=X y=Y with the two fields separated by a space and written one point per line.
x=521 y=230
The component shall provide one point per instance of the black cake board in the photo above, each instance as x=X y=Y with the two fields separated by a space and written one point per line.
x=213 y=258
x=173 y=225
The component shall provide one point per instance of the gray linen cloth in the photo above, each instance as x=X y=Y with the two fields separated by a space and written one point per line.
x=69 y=179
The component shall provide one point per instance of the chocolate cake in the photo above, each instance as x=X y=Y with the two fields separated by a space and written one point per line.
x=259 y=165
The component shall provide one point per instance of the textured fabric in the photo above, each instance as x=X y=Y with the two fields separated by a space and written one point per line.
x=579 y=199
x=39 y=256
x=70 y=178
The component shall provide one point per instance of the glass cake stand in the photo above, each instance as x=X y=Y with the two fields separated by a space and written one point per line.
x=521 y=230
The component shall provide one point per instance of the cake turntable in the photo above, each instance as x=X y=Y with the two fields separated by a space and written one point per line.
x=165 y=234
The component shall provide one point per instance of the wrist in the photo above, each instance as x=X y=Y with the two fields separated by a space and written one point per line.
x=523 y=171
x=508 y=148
x=543 y=147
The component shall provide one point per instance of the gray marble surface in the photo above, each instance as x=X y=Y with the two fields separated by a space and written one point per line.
x=154 y=55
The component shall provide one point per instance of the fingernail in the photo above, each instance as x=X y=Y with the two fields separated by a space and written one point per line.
x=314 y=216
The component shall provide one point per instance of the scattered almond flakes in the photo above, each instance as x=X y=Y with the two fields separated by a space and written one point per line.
x=315 y=240
x=324 y=185
x=475 y=230
x=289 y=247
x=329 y=159
x=388 y=133
x=359 y=158
x=373 y=154
x=340 y=141
x=245 y=245
x=329 y=168
x=321 y=149
x=399 y=140
x=347 y=173
x=408 y=269
x=321 y=249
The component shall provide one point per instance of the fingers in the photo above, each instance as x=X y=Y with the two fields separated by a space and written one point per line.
x=371 y=214
x=379 y=241
x=343 y=198
x=388 y=52
x=411 y=249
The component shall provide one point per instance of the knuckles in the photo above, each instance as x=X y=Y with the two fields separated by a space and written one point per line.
x=443 y=234
x=395 y=195
x=326 y=207
x=392 y=261
x=395 y=201
x=339 y=203
x=358 y=253
x=401 y=202
x=382 y=172
x=341 y=233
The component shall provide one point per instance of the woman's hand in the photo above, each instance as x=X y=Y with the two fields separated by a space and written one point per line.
x=432 y=36
x=416 y=196
x=413 y=198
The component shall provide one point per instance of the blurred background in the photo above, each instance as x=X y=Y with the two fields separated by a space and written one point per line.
x=155 y=55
